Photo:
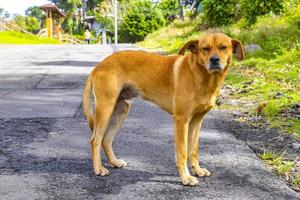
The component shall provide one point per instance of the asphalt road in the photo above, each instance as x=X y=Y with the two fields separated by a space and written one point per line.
x=44 y=139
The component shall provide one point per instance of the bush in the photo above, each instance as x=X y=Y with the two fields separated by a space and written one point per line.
x=253 y=8
x=221 y=12
x=140 y=20
x=169 y=7
x=32 y=24
x=29 y=23
x=274 y=34
x=20 y=21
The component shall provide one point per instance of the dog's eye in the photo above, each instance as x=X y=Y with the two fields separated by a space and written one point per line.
x=205 y=48
x=223 y=47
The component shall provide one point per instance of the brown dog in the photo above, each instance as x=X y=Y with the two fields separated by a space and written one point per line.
x=186 y=86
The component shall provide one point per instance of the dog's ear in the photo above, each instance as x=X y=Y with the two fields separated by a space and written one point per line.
x=238 y=49
x=191 y=45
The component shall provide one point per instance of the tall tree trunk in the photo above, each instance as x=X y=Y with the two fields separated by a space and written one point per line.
x=180 y=10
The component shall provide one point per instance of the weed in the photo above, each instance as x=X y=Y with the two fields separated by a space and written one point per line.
x=296 y=181
x=282 y=167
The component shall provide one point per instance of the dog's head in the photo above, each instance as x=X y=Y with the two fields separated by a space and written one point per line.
x=214 y=51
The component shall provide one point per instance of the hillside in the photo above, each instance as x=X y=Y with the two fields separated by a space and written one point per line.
x=11 y=37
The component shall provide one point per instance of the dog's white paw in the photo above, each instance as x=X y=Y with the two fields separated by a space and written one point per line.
x=189 y=180
x=201 y=172
x=118 y=163
x=101 y=171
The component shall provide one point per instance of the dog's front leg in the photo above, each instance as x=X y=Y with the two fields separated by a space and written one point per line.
x=193 y=146
x=181 y=140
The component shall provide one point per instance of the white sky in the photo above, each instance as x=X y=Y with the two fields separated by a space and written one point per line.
x=19 y=6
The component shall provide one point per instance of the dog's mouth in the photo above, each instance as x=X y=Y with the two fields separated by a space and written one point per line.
x=215 y=67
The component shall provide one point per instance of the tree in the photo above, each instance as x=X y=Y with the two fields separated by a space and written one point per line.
x=32 y=24
x=141 y=19
x=29 y=23
x=36 y=12
x=71 y=8
x=221 y=12
x=103 y=13
x=4 y=13
x=252 y=9
x=168 y=7
x=1 y=11
x=20 y=21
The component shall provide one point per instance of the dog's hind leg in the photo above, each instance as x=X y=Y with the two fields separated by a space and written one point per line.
x=105 y=94
x=120 y=113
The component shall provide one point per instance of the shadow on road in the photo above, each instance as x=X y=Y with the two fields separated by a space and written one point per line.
x=66 y=63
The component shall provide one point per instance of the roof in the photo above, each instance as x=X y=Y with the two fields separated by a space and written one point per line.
x=56 y=12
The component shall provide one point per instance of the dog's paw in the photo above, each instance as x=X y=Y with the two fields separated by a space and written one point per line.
x=101 y=171
x=201 y=172
x=118 y=163
x=189 y=180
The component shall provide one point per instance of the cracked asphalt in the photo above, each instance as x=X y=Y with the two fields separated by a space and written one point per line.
x=44 y=139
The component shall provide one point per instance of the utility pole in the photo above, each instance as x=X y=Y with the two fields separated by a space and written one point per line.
x=180 y=10
x=116 y=21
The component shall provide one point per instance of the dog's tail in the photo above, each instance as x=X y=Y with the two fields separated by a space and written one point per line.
x=86 y=101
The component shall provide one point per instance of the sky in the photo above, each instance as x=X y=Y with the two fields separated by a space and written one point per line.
x=19 y=6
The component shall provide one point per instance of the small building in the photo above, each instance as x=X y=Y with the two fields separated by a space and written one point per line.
x=53 y=20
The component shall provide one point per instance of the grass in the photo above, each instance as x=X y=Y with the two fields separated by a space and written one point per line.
x=284 y=168
x=172 y=37
x=11 y=37
x=276 y=82
x=270 y=76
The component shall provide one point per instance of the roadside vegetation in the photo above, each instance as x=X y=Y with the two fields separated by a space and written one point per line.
x=11 y=37
x=283 y=167
x=265 y=87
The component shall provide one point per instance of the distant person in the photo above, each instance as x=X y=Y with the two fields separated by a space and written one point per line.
x=87 y=36
x=58 y=32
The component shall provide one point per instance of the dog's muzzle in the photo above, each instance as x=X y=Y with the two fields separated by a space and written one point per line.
x=214 y=64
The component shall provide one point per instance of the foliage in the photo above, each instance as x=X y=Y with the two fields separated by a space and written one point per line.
x=11 y=37
x=20 y=21
x=35 y=11
x=4 y=13
x=254 y=8
x=142 y=18
x=283 y=167
x=101 y=11
x=172 y=37
x=220 y=12
x=29 y=23
x=70 y=8
x=168 y=7
x=32 y=24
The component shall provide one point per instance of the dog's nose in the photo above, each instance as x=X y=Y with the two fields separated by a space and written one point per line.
x=214 y=59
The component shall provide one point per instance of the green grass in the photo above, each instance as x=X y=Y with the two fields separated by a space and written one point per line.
x=172 y=37
x=274 y=81
x=283 y=167
x=296 y=181
x=273 y=73
x=11 y=37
